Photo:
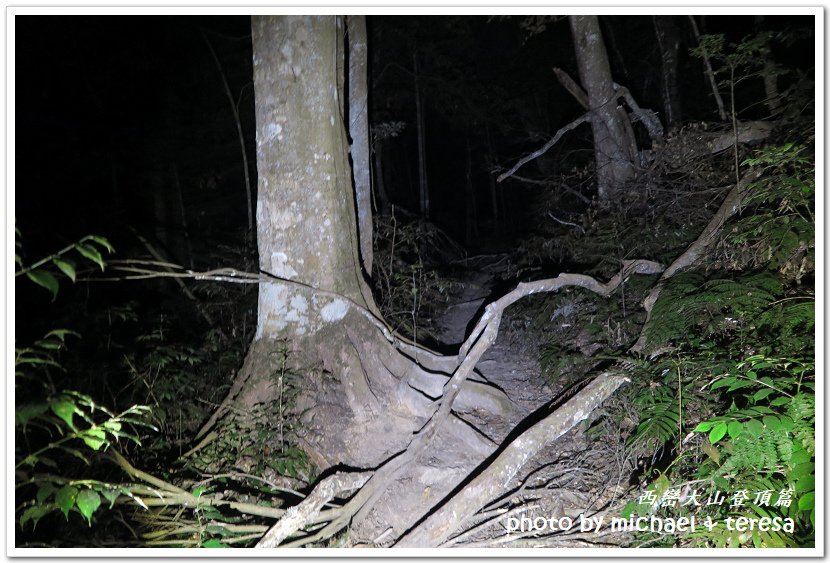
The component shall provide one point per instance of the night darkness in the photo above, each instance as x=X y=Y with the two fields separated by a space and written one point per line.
x=124 y=130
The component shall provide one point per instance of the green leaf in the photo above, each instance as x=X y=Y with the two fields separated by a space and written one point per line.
x=805 y=484
x=65 y=267
x=25 y=413
x=807 y=502
x=718 y=432
x=762 y=394
x=779 y=401
x=94 y=438
x=787 y=423
x=64 y=408
x=65 y=498
x=628 y=509
x=214 y=543
x=772 y=422
x=754 y=427
x=734 y=429
x=704 y=427
x=35 y=513
x=61 y=333
x=801 y=470
x=111 y=495
x=103 y=242
x=90 y=253
x=44 y=279
x=44 y=492
x=88 y=502
x=800 y=456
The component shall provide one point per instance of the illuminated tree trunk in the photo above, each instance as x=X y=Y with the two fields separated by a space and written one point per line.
x=359 y=133
x=306 y=228
x=613 y=142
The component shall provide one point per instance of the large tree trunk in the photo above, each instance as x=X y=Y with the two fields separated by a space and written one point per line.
x=306 y=229
x=378 y=401
x=367 y=398
x=611 y=129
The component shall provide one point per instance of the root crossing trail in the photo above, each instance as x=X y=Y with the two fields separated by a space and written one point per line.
x=509 y=364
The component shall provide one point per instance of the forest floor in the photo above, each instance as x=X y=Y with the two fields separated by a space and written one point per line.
x=570 y=477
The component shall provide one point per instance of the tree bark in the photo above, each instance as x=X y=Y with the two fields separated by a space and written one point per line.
x=710 y=74
x=470 y=204
x=359 y=132
x=668 y=39
x=768 y=73
x=423 y=184
x=613 y=155
x=306 y=227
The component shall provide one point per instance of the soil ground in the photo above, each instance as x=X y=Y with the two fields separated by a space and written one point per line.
x=567 y=479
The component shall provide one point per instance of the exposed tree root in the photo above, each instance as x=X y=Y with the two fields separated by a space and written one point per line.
x=302 y=514
x=400 y=373
x=495 y=479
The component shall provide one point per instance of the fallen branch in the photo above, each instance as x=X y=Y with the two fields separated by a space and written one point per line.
x=695 y=251
x=496 y=308
x=496 y=478
x=304 y=513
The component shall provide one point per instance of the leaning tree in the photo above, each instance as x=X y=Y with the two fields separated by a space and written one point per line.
x=380 y=414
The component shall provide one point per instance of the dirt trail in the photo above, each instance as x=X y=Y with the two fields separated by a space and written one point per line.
x=507 y=365
x=448 y=462
x=512 y=366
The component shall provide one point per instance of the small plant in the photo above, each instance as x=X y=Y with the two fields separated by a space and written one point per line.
x=59 y=430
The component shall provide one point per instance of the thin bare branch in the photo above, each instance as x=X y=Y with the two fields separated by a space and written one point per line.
x=584 y=118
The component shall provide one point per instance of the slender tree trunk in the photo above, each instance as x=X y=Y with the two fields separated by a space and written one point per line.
x=239 y=135
x=612 y=142
x=188 y=247
x=471 y=222
x=494 y=199
x=710 y=74
x=423 y=185
x=379 y=183
x=768 y=73
x=359 y=132
x=668 y=39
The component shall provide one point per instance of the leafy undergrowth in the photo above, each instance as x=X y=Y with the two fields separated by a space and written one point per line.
x=720 y=415
x=412 y=282
x=133 y=376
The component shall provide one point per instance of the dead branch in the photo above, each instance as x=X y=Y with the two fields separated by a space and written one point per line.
x=302 y=514
x=695 y=251
x=584 y=118
x=572 y=87
x=567 y=188
x=646 y=116
x=495 y=309
x=496 y=478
